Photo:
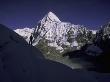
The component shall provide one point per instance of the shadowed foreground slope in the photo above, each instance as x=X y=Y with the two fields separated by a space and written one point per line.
x=20 y=62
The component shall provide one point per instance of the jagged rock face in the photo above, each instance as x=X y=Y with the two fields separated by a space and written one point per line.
x=106 y=29
x=59 y=33
x=103 y=36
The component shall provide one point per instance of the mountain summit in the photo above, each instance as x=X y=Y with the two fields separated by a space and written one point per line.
x=59 y=34
x=51 y=17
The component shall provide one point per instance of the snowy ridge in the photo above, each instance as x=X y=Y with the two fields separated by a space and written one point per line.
x=25 y=32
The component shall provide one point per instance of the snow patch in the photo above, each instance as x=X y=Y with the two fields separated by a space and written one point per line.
x=74 y=44
x=93 y=31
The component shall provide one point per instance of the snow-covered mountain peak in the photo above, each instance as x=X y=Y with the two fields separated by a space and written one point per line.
x=57 y=33
x=51 y=17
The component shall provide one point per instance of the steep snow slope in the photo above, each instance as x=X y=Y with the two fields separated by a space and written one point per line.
x=20 y=62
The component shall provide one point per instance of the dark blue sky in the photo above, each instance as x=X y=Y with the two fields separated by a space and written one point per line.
x=22 y=13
